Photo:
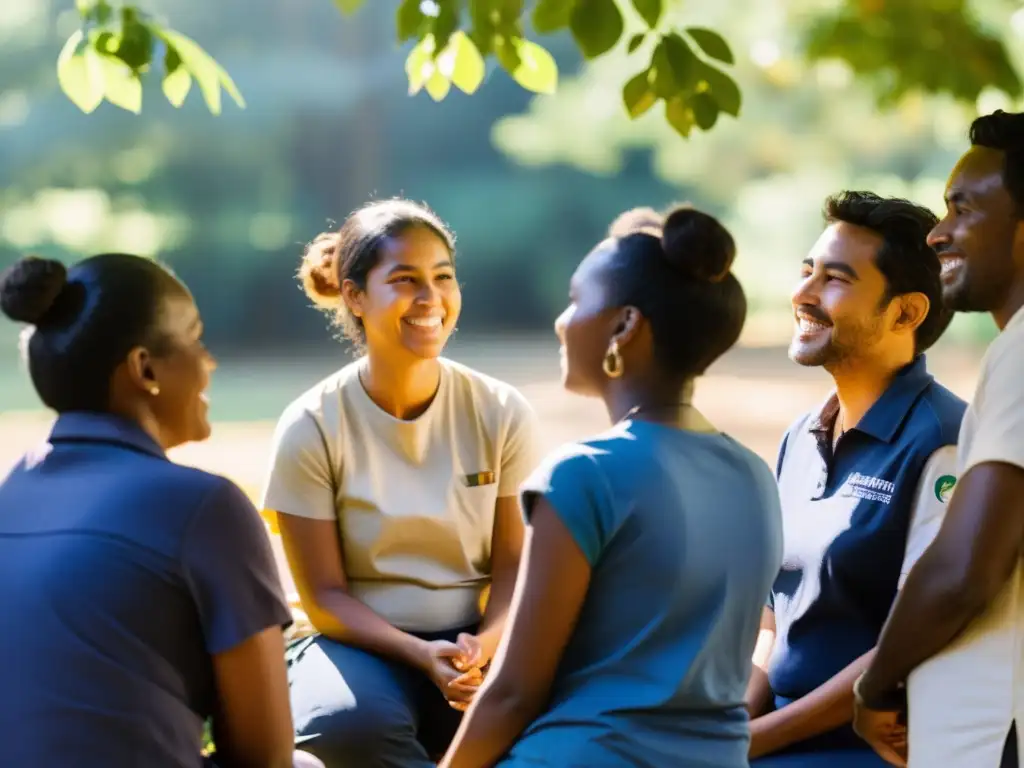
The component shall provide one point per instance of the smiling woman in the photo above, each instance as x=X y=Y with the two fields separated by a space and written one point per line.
x=394 y=485
x=128 y=602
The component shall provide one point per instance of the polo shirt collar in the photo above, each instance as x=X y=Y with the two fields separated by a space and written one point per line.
x=84 y=426
x=886 y=416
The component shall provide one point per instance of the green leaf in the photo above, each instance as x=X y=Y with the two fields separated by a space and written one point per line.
x=135 y=43
x=712 y=43
x=121 y=86
x=408 y=19
x=596 y=25
x=506 y=50
x=723 y=89
x=638 y=95
x=649 y=10
x=210 y=75
x=468 y=65
x=682 y=60
x=635 y=42
x=705 y=110
x=537 y=70
x=79 y=73
x=437 y=85
x=552 y=15
x=349 y=6
x=177 y=81
x=98 y=11
x=419 y=65
x=664 y=78
x=679 y=116
x=444 y=25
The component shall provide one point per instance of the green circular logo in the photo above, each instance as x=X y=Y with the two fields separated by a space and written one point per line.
x=943 y=487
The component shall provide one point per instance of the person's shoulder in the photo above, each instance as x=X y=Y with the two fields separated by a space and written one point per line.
x=328 y=389
x=936 y=416
x=181 y=491
x=582 y=461
x=1003 y=362
x=482 y=389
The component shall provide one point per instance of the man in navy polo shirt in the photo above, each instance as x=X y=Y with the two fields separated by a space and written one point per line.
x=863 y=479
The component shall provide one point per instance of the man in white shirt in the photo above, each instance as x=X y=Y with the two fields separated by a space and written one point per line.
x=956 y=632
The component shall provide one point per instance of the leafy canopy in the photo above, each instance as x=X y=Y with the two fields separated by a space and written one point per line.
x=900 y=46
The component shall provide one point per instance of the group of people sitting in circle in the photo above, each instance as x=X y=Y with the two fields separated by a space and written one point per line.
x=652 y=596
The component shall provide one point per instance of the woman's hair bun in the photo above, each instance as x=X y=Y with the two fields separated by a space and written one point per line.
x=319 y=270
x=637 y=221
x=29 y=288
x=697 y=244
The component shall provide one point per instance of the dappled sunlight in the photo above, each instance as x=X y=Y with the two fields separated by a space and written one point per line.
x=87 y=220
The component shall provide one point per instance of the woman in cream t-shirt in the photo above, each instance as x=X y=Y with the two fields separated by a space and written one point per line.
x=395 y=483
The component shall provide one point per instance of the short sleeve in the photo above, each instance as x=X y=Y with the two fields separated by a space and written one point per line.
x=521 y=451
x=574 y=485
x=230 y=569
x=300 y=480
x=934 y=490
x=999 y=405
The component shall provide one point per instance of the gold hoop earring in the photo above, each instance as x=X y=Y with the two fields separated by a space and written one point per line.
x=612 y=364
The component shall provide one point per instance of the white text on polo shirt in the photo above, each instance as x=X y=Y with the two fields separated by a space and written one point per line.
x=870 y=488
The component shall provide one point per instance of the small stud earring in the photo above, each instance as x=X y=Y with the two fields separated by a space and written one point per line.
x=154 y=390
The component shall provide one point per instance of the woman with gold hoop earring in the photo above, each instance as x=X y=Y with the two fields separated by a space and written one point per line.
x=651 y=547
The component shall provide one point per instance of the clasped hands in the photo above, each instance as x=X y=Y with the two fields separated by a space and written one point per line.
x=457 y=669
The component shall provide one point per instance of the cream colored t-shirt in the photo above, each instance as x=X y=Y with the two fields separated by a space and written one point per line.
x=962 y=701
x=414 y=500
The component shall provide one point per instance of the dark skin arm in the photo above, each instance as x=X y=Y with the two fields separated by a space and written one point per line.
x=759 y=690
x=252 y=727
x=828 y=706
x=958 y=576
x=506 y=551
x=313 y=550
x=552 y=586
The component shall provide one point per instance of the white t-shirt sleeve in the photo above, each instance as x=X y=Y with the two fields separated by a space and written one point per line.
x=301 y=479
x=930 y=503
x=520 y=453
x=999 y=406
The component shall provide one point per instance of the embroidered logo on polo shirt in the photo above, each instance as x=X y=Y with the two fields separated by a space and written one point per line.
x=944 y=487
x=479 y=478
x=870 y=488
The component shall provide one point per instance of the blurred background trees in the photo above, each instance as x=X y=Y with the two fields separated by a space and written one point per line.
x=528 y=181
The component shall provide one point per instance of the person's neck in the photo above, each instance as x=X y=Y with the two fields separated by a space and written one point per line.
x=147 y=422
x=661 y=402
x=1012 y=305
x=402 y=388
x=860 y=383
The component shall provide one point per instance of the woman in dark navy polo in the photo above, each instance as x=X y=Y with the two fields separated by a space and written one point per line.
x=140 y=597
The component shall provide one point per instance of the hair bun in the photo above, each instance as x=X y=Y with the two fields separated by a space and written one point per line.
x=697 y=244
x=29 y=288
x=319 y=269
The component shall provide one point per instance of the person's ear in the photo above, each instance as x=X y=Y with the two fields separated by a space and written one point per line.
x=912 y=309
x=626 y=325
x=141 y=372
x=353 y=298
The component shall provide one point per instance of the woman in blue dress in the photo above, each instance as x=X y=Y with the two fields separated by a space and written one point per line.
x=652 y=546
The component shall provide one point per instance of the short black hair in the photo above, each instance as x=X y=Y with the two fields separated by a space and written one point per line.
x=1004 y=131
x=676 y=269
x=353 y=251
x=906 y=261
x=85 y=320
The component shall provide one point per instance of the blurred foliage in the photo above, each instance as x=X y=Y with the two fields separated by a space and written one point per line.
x=106 y=57
x=230 y=202
x=901 y=46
